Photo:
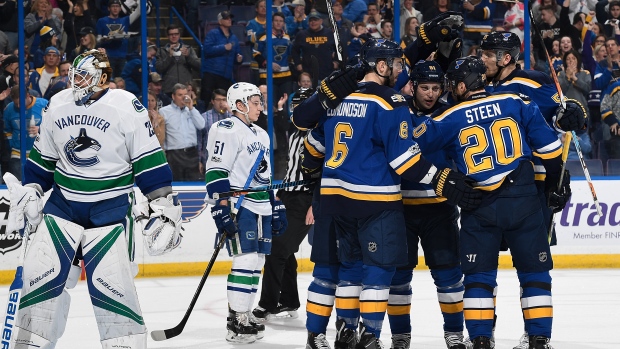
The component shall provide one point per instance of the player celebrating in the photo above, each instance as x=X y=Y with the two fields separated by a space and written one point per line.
x=433 y=221
x=239 y=159
x=94 y=144
x=492 y=138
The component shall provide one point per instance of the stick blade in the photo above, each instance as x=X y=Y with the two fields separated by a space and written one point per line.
x=162 y=335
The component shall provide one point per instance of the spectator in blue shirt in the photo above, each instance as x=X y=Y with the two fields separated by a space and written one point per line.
x=112 y=35
x=355 y=11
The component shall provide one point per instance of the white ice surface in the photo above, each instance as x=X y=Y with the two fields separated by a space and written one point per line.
x=586 y=313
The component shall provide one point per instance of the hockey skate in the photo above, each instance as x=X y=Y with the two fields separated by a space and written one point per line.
x=368 y=340
x=284 y=312
x=401 y=341
x=260 y=328
x=317 y=341
x=239 y=328
x=481 y=343
x=454 y=340
x=539 y=342
x=524 y=342
x=346 y=338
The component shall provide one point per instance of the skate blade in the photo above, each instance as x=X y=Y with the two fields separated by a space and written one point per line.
x=289 y=314
x=240 y=338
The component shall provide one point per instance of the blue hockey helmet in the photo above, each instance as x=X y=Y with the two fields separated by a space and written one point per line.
x=502 y=42
x=375 y=50
x=426 y=71
x=470 y=70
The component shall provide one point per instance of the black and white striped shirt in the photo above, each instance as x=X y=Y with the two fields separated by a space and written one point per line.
x=293 y=166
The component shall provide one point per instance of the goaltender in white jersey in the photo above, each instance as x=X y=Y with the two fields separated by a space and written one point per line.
x=94 y=144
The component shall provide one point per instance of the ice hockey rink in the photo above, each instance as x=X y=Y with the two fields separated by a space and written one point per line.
x=586 y=313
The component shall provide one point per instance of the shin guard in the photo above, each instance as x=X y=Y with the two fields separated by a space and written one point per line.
x=110 y=284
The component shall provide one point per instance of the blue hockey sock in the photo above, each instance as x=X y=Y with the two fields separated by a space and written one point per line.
x=479 y=303
x=321 y=294
x=399 y=302
x=450 y=291
x=536 y=303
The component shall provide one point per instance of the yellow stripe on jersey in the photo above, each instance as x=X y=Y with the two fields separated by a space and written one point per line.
x=537 y=313
x=370 y=98
x=313 y=150
x=540 y=176
x=523 y=81
x=479 y=314
x=361 y=196
x=407 y=165
x=467 y=104
x=550 y=155
x=318 y=309
x=613 y=92
x=492 y=186
x=423 y=201
x=604 y=115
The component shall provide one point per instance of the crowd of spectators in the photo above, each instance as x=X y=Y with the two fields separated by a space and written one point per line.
x=581 y=36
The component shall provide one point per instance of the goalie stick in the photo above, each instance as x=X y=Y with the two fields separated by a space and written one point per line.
x=554 y=76
x=161 y=335
x=235 y=193
x=15 y=292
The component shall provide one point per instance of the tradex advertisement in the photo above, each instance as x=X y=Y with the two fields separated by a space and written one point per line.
x=580 y=225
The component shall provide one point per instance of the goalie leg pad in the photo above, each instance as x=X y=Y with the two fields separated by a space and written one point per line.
x=241 y=282
x=110 y=283
x=45 y=304
x=134 y=341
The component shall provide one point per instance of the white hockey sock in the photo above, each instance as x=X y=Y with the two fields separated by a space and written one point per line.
x=256 y=277
x=240 y=281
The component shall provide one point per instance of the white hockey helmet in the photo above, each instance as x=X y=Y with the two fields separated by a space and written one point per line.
x=89 y=74
x=242 y=91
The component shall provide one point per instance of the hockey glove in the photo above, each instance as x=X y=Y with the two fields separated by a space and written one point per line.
x=444 y=27
x=557 y=199
x=162 y=232
x=457 y=188
x=223 y=220
x=25 y=201
x=573 y=118
x=334 y=88
x=279 y=223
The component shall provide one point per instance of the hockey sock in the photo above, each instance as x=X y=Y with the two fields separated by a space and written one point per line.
x=256 y=277
x=348 y=293
x=240 y=281
x=399 y=302
x=321 y=297
x=449 y=283
x=536 y=302
x=374 y=296
x=479 y=303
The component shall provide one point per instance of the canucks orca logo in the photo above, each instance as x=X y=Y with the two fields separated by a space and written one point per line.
x=458 y=63
x=262 y=175
x=81 y=143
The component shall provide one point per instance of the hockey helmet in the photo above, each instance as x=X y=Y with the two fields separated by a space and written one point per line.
x=502 y=42
x=89 y=73
x=426 y=71
x=469 y=70
x=242 y=91
x=375 y=50
x=300 y=95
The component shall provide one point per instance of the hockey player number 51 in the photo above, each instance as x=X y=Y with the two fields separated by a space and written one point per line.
x=342 y=131
x=503 y=134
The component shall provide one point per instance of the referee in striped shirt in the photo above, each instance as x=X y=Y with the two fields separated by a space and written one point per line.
x=279 y=289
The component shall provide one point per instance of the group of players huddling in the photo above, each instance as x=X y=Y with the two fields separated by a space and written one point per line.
x=389 y=169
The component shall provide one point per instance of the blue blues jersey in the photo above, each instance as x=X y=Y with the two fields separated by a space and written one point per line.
x=488 y=135
x=540 y=89
x=368 y=145
x=281 y=45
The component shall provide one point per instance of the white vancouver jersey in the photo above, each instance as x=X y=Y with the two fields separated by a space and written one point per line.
x=232 y=149
x=97 y=151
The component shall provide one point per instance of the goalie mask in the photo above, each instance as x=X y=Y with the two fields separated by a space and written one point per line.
x=89 y=74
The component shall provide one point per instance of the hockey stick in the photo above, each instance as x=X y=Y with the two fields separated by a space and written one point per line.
x=566 y=146
x=160 y=335
x=235 y=193
x=332 y=20
x=15 y=292
x=554 y=76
